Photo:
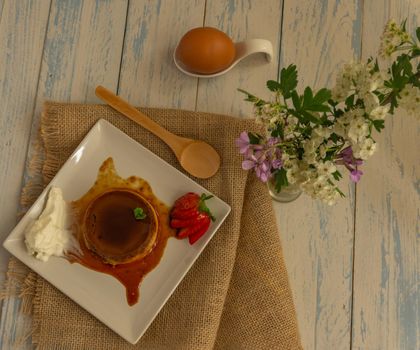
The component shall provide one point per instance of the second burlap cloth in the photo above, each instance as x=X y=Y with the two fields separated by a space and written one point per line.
x=237 y=294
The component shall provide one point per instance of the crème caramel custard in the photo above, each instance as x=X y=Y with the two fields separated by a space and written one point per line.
x=113 y=239
x=111 y=230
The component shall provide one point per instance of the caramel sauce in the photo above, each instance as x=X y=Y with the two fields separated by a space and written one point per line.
x=111 y=240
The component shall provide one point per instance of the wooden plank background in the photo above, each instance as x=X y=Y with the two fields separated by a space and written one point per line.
x=355 y=267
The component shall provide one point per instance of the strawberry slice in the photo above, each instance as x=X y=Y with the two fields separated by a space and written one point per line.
x=188 y=231
x=191 y=216
x=178 y=213
x=179 y=223
x=197 y=235
x=187 y=201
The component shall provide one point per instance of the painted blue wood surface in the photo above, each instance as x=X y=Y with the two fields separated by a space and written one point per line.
x=354 y=268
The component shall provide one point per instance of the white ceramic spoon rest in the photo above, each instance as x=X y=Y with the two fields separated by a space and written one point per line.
x=242 y=49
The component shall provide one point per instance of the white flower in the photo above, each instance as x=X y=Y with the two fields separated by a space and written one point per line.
x=341 y=90
x=323 y=132
x=310 y=158
x=310 y=146
x=259 y=120
x=379 y=113
x=339 y=129
x=322 y=151
x=365 y=150
x=276 y=119
x=330 y=143
x=290 y=163
x=349 y=116
x=371 y=101
x=317 y=141
x=269 y=110
x=331 y=197
x=292 y=174
x=320 y=184
x=410 y=100
x=358 y=78
x=392 y=37
x=292 y=120
x=358 y=130
x=326 y=168
x=377 y=79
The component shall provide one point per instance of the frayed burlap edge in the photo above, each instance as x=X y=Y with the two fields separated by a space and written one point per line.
x=20 y=281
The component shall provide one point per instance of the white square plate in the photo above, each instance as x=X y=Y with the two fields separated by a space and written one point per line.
x=100 y=294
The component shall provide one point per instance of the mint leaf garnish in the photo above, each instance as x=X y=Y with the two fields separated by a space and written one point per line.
x=139 y=213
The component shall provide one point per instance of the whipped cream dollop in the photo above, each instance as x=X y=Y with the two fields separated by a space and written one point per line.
x=50 y=234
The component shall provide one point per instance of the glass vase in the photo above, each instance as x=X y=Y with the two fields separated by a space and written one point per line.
x=286 y=194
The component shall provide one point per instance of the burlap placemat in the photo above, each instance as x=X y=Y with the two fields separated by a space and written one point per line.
x=237 y=294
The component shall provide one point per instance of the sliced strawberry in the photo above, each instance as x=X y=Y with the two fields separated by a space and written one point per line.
x=178 y=223
x=197 y=235
x=191 y=216
x=187 y=201
x=183 y=232
x=178 y=213
x=190 y=230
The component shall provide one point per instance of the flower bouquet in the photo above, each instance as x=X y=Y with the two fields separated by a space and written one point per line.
x=311 y=138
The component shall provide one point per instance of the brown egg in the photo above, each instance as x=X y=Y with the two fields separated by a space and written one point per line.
x=205 y=50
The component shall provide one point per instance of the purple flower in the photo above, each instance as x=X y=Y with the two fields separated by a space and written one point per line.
x=347 y=155
x=276 y=163
x=248 y=164
x=355 y=175
x=273 y=141
x=347 y=158
x=260 y=164
x=263 y=157
x=263 y=171
x=243 y=142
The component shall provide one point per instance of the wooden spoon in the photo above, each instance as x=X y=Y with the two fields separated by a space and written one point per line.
x=196 y=157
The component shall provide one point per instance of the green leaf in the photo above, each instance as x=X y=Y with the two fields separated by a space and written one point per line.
x=202 y=206
x=406 y=65
x=318 y=108
x=307 y=97
x=288 y=80
x=404 y=25
x=296 y=100
x=139 y=213
x=349 y=101
x=376 y=67
x=322 y=96
x=415 y=53
x=337 y=175
x=378 y=124
x=418 y=33
x=316 y=103
x=297 y=115
x=273 y=85
x=401 y=71
x=309 y=117
x=281 y=131
x=252 y=98
x=333 y=103
x=280 y=178
x=278 y=131
x=254 y=139
x=340 y=192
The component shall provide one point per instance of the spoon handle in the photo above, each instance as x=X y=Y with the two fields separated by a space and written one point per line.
x=138 y=117
x=250 y=46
